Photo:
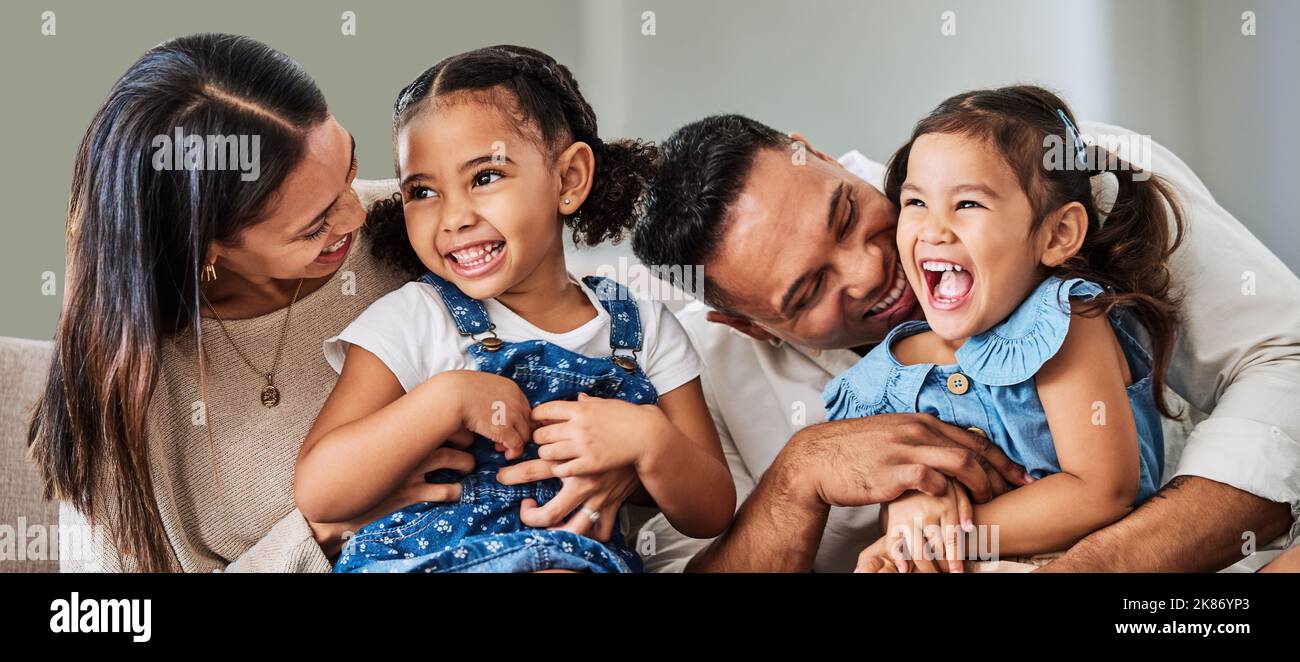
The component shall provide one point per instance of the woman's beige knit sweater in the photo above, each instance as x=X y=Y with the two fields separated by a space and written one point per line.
x=231 y=508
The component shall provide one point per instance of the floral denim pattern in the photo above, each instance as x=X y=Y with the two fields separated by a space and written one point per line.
x=482 y=532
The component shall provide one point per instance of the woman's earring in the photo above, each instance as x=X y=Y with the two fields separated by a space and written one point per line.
x=566 y=201
x=209 y=272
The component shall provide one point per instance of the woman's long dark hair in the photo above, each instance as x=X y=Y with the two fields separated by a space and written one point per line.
x=546 y=94
x=137 y=236
x=1127 y=253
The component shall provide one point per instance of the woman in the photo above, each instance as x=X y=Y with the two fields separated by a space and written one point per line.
x=189 y=285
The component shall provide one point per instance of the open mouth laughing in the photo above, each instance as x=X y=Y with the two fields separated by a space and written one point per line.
x=947 y=284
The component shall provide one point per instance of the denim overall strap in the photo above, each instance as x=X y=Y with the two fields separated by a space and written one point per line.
x=624 y=316
x=469 y=314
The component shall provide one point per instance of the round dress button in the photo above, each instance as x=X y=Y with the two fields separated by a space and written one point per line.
x=978 y=432
x=958 y=383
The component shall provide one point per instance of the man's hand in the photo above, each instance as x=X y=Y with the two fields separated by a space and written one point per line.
x=850 y=463
x=875 y=459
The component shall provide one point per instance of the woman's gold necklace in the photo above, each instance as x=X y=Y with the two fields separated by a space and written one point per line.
x=270 y=393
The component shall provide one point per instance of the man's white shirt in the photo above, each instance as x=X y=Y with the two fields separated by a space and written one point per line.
x=1237 y=357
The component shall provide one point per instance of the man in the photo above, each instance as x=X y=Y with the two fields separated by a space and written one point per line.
x=799 y=262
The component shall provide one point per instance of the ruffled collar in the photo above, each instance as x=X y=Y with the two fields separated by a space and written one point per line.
x=1015 y=349
x=1009 y=353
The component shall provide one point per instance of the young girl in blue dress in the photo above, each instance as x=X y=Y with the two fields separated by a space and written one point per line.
x=497 y=151
x=1038 y=310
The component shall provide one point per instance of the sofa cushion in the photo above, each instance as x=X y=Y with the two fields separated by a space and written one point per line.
x=23 y=366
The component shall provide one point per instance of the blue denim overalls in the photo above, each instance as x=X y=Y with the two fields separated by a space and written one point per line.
x=991 y=389
x=482 y=532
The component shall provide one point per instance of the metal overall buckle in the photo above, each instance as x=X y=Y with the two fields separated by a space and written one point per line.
x=627 y=363
x=491 y=343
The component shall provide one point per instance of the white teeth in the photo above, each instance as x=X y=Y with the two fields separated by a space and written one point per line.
x=334 y=247
x=900 y=283
x=935 y=265
x=478 y=254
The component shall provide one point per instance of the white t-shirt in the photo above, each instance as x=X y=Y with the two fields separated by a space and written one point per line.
x=412 y=332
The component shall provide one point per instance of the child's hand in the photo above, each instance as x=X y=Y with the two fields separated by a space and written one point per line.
x=877 y=558
x=593 y=435
x=492 y=406
x=921 y=528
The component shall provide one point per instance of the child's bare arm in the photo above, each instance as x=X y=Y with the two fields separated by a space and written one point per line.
x=371 y=434
x=689 y=479
x=1082 y=390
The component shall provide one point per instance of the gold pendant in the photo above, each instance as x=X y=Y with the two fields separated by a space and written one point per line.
x=270 y=394
x=625 y=363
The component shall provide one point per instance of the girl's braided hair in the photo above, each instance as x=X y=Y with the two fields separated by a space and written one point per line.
x=547 y=100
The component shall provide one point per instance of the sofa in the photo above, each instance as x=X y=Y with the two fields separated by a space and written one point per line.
x=23 y=365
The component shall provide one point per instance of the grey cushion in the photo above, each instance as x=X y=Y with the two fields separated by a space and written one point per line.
x=23 y=368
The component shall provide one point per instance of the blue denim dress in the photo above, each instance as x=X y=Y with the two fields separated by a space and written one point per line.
x=991 y=389
x=482 y=532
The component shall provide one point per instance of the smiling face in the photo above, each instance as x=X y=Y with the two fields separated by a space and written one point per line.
x=480 y=199
x=308 y=229
x=965 y=235
x=808 y=254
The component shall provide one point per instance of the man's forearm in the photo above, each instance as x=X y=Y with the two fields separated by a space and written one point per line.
x=1193 y=524
x=777 y=529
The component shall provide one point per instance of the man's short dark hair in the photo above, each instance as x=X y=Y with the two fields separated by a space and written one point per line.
x=703 y=167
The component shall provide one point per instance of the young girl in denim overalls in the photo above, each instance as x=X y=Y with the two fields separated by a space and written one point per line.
x=498 y=346
x=1034 y=305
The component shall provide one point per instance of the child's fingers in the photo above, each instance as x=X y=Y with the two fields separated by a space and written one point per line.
x=522 y=418
x=510 y=438
x=553 y=411
x=918 y=554
x=965 y=511
x=897 y=547
x=889 y=567
x=950 y=532
x=549 y=434
x=577 y=467
x=558 y=451
x=875 y=555
x=869 y=561
x=434 y=492
x=935 y=551
x=526 y=472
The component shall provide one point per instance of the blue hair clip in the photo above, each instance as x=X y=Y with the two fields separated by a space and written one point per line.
x=1072 y=133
